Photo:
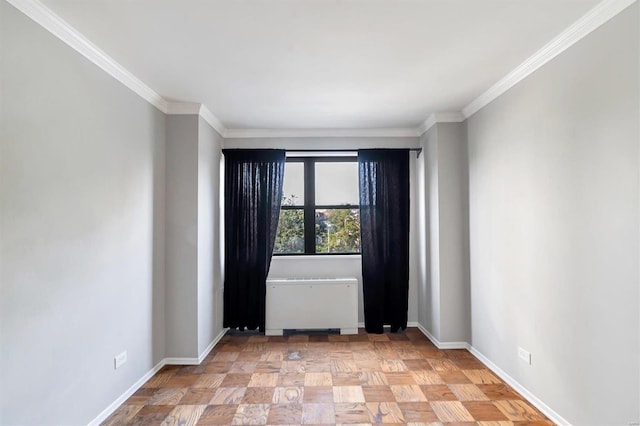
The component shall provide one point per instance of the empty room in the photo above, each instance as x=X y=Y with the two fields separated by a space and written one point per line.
x=319 y=212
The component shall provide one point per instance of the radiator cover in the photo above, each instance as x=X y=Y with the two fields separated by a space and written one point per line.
x=311 y=303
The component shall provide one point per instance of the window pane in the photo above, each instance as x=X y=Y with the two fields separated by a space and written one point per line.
x=290 y=234
x=337 y=231
x=293 y=185
x=336 y=183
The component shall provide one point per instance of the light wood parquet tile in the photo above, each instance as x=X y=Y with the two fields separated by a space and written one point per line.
x=272 y=356
x=167 y=396
x=197 y=396
x=320 y=379
x=400 y=378
x=292 y=367
x=468 y=393
x=263 y=380
x=251 y=414
x=443 y=365
x=454 y=377
x=377 y=393
x=291 y=379
x=350 y=413
x=223 y=356
x=427 y=378
x=218 y=415
x=184 y=415
x=218 y=367
x=497 y=391
x=481 y=376
x=236 y=380
x=191 y=369
x=226 y=396
x=346 y=379
x=123 y=415
x=181 y=381
x=288 y=395
x=152 y=414
x=438 y=393
x=451 y=411
x=209 y=381
x=343 y=366
x=318 y=395
x=249 y=356
x=318 y=414
x=417 y=412
x=419 y=364
x=372 y=378
x=368 y=365
x=385 y=412
x=280 y=414
x=141 y=396
x=484 y=411
x=518 y=410
x=361 y=354
x=408 y=393
x=243 y=367
x=258 y=395
x=393 y=366
x=348 y=394
x=268 y=367
x=158 y=380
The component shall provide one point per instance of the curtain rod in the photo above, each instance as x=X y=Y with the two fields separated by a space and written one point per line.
x=417 y=150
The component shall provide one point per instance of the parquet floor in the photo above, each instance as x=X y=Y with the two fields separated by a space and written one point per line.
x=328 y=379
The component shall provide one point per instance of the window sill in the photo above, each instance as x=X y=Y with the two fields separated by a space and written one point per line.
x=318 y=257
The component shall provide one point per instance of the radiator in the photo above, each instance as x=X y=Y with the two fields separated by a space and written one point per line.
x=311 y=303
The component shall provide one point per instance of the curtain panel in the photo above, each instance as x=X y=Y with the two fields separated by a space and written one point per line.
x=384 y=229
x=253 y=193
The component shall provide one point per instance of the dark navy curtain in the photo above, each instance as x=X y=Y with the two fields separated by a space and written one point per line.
x=384 y=229
x=253 y=193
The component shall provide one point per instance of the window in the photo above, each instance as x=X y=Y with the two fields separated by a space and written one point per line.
x=320 y=212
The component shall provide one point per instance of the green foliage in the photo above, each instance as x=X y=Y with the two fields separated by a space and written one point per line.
x=337 y=230
x=290 y=234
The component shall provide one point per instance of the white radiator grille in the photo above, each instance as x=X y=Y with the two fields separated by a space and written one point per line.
x=312 y=303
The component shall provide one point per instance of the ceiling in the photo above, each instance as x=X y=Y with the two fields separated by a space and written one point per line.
x=321 y=64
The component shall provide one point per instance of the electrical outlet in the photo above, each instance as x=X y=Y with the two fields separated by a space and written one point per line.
x=119 y=360
x=524 y=355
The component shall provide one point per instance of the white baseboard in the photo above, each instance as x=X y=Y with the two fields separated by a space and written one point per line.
x=534 y=400
x=122 y=398
x=409 y=324
x=137 y=385
x=180 y=361
x=439 y=344
x=214 y=342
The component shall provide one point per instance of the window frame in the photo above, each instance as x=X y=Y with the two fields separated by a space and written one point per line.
x=309 y=207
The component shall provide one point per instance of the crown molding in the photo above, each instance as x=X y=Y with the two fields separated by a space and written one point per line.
x=320 y=133
x=193 y=108
x=428 y=123
x=183 y=108
x=43 y=16
x=47 y=19
x=213 y=121
x=593 y=19
x=439 y=117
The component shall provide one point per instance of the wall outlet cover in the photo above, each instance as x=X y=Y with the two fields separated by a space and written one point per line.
x=524 y=355
x=119 y=360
